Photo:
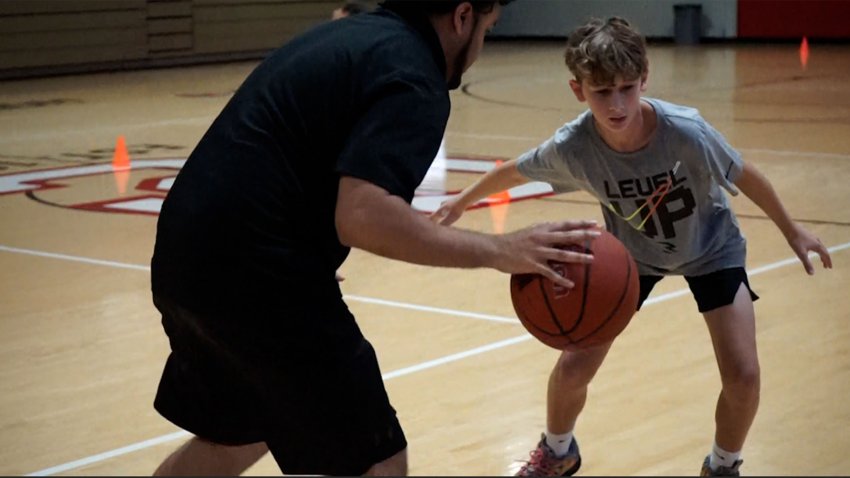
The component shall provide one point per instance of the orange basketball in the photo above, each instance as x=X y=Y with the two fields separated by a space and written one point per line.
x=593 y=312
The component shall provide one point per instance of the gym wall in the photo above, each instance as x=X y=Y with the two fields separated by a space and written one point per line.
x=45 y=37
x=42 y=37
x=720 y=19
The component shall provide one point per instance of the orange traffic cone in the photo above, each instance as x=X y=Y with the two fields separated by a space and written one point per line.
x=804 y=52
x=121 y=165
x=121 y=158
x=499 y=207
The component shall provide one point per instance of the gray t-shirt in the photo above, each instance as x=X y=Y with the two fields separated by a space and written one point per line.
x=692 y=231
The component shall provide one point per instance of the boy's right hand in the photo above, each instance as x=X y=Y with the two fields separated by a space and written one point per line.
x=449 y=212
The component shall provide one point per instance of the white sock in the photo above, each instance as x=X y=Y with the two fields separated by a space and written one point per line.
x=560 y=444
x=720 y=457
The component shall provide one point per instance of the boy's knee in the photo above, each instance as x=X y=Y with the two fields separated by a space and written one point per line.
x=744 y=384
x=576 y=370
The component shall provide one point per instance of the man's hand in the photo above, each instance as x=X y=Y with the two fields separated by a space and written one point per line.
x=535 y=248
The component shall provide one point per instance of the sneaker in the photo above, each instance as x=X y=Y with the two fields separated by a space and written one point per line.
x=543 y=461
x=720 y=471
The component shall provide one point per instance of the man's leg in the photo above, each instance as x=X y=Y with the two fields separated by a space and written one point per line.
x=395 y=465
x=198 y=457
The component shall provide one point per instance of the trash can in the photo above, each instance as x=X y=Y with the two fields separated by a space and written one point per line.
x=688 y=23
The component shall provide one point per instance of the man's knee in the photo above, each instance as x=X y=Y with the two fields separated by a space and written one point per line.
x=395 y=465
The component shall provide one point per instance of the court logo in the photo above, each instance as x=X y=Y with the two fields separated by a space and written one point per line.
x=142 y=188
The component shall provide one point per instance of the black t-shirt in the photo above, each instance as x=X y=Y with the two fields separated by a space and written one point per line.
x=251 y=214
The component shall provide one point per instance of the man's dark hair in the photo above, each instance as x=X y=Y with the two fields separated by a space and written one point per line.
x=353 y=8
x=439 y=6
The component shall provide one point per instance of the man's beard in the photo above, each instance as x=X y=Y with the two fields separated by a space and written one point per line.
x=460 y=60
x=459 y=65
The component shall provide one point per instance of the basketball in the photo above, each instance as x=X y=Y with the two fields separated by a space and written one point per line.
x=594 y=311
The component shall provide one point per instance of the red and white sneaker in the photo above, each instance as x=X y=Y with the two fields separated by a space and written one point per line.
x=543 y=462
x=720 y=471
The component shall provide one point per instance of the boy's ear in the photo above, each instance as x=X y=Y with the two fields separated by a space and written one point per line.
x=643 y=84
x=576 y=87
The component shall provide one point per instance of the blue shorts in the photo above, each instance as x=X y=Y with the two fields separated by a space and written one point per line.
x=711 y=291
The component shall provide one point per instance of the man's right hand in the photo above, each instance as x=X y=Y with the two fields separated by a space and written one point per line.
x=535 y=248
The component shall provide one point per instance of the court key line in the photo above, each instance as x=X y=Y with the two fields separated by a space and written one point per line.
x=387 y=376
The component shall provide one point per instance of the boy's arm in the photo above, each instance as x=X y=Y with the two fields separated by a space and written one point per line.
x=498 y=179
x=756 y=186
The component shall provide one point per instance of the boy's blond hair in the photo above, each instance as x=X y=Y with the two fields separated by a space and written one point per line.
x=602 y=50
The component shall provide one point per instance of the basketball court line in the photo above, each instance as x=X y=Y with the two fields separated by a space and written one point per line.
x=356 y=298
x=100 y=129
x=437 y=310
x=190 y=120
x=72 y=465
x=138 y=446
x=66 y=257
x=778 y=152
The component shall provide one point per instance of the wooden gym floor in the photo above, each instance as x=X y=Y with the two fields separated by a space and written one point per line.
x=81 y=348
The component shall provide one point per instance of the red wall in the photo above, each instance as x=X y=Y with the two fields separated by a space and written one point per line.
x=793 y=18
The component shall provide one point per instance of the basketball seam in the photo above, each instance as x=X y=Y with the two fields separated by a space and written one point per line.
x=615 y=309
x=552 y=314
x=584 y=289
x=523 y=317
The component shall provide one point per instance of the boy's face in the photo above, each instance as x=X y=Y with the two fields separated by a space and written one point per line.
x=614 y=106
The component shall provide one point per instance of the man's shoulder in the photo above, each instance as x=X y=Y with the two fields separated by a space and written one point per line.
x=389 y=46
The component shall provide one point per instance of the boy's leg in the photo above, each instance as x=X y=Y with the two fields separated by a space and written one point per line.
x=557 y=454
x=565 y=399
x=198 y=457
x=733 y=335
x=568 y=383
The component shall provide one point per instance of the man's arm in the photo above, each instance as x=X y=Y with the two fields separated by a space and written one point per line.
x=369 y=218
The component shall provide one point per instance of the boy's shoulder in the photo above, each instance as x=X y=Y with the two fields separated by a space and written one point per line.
x=677 y=116
x=673 y=110
x=576 y=129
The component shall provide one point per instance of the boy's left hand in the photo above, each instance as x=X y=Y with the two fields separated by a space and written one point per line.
x=802 y=242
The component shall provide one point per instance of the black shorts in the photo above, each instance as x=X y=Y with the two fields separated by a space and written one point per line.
x=312 y=392
x=711 y=291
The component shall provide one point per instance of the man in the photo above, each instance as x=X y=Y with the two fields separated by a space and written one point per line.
x=318 y=151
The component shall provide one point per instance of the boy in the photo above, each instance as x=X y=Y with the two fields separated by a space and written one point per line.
x=657 y=169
